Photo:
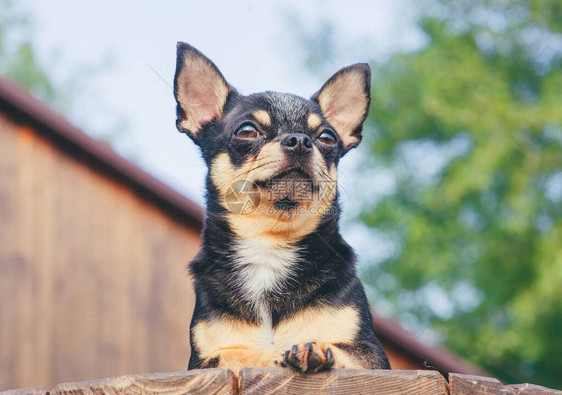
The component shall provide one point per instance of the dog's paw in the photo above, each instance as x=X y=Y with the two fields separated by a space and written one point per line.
x=308 y=358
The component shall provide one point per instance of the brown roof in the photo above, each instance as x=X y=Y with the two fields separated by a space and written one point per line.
x=24 y=108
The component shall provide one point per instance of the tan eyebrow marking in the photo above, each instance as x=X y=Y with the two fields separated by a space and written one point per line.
x=314 y=121
x=262 y=117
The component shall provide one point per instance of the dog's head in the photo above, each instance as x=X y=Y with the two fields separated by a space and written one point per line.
x=272 y=157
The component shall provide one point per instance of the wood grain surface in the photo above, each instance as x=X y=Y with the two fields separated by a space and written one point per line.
x=461 y=384
x=208 y=381
x=285 y=381
x=341 y=381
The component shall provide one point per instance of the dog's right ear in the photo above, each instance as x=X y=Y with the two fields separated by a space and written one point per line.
x=200 y=90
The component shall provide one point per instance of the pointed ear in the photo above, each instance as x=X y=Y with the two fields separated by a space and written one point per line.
x=200 y=90
x=344 y=100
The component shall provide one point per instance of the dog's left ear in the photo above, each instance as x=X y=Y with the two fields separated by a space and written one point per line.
x=344 y=100
x=200 y=90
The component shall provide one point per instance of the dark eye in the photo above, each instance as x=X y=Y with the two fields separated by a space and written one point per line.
x=247 y=132
x=327 y=138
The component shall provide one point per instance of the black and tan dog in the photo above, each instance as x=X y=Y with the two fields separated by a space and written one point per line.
x=275 y=282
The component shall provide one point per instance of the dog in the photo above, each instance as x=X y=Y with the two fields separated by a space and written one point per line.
x=275 y=282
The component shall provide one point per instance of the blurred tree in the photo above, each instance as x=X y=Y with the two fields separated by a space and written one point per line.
x=17 y=58
x=471 y=129
x=69 y=94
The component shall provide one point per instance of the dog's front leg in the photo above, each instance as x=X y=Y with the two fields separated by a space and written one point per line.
x=238 y=357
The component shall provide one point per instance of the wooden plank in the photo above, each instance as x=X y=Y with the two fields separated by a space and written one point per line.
x=532 y=389
x=26 y=391
x=285 y=381
x=206 y=381
x=461 y=384
x=341 y=381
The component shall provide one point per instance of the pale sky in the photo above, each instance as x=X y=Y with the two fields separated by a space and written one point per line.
x=252 y=43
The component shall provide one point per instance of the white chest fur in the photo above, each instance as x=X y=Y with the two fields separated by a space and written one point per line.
x=263 y=266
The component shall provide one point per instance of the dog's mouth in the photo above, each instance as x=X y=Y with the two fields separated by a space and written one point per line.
x=285 y=204
x=295 y=175
x=288 y=188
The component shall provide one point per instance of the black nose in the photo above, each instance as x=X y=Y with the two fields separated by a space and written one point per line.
x=297 y=143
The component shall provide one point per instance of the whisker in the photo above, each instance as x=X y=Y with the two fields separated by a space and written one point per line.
x=278 y=219
x=246 y=172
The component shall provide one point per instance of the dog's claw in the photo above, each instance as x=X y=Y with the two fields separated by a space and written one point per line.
x=329 y=356
x=285 y=359
x=294 y=360
x=329 y=360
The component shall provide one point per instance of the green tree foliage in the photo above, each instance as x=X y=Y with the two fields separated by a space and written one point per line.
x=471 y=129
x=71 y=92
x=17 y=58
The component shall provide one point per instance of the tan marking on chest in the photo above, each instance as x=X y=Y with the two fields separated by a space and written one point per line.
x=322 y=325
x=210 y=336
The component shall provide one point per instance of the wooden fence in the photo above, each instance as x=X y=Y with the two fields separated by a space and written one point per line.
x=284 y=381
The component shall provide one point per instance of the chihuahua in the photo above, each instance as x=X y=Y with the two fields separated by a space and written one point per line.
x=275 y=282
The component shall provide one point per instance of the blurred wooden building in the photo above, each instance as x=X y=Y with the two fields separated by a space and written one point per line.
x=92 y=260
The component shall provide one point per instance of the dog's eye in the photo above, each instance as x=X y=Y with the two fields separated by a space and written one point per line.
x=247 y=132
x=327 y=138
